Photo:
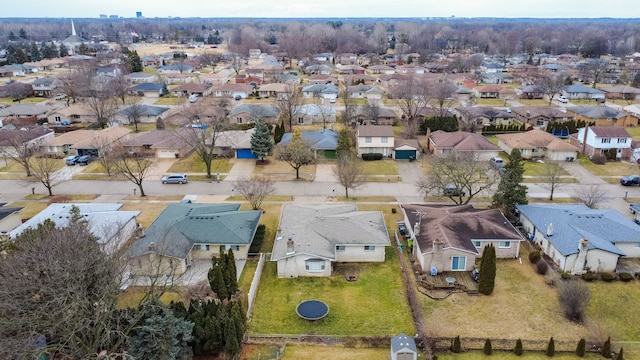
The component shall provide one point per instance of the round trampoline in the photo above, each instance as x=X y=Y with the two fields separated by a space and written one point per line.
x=312 y=309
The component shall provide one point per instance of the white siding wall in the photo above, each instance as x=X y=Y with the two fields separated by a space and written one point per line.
x=293 y=267
x=357 y=253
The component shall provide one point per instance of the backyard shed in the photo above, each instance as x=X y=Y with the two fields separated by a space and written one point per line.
x=403 y=347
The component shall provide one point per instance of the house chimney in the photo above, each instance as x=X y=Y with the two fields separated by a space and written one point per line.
x=152 y=246
x=428 y=140
x=584 y=140
x=550 y=229
x=290 y=246
x=584 y=244
x=416 y=229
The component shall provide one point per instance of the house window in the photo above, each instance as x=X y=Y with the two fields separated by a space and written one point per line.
x=340 y=247
x=384 y=139
x=369 y=248
x=477 y=243
x=147 y=147
x=539 y=122
x=606 y=140
x=57 y=118
x=458 y=263
x=75 y=116
x=504 y=244
x=367 y=139
x=314 y=265
x=238 y=120
x=232 y=247
x=300 y=120
x=622 y=140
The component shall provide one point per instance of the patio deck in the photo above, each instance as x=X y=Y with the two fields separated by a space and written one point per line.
x=437 y=286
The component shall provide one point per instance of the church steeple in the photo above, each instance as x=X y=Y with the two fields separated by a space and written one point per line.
x=73 y=29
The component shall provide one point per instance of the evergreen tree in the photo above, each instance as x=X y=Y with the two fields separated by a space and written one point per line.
x=518 y=350
x=487 y=347
x=456 y=347
x=581 y=348
x=261 y=142
x=620 y=355
x=34 y=52
x=232 y=345
x=231 y=280
x=278 y=132
x=240 y=319
x=164 y=91
x=510 y=189
x=487 y=279
x=133 y=59
x=12 y=36
x=63 y=50
x=20 y=57
x=606 y=348
x=344 y=146
x=83 y=49
x=216 y=281
x=551 y=348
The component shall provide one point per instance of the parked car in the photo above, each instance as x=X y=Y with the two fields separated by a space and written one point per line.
x=71 y=160
x=60 y=97
x=631 y=180
x=85 y=160
x=175 y=179
x=452 y=190
x=563 y=99
x=497 y=163
x=193 y=98
x=237 y=97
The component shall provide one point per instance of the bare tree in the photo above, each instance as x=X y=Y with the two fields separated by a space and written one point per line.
x=107 y=154
x=101 y=102
x=288 y=104
x=237 y=63
x=552 y=179
x=133 y=168
x=443 y=92
x=413 y=98
x=594 y=69
x=254 y=189
x=297 y=153
x=20 y=149
x=574 y=298
x=134 y=112
x=43 y=169
x=349 y=172
x=119 y=85
x=551 y=84
x=326 y=113
x=466 y=175
x=592 y=195
x=18 y=91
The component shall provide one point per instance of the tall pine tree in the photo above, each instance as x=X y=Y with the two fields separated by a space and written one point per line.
x=510 y=189
x=230 y=273
x=344 y=146
x=487 y=279
x=261 y=142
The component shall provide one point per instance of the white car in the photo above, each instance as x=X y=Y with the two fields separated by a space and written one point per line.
x=563 y=99
x=193 y=98
x=60 y=97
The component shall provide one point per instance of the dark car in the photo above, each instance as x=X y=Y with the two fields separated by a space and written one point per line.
x=631 y=180
x=452 y=190
x=85 y=160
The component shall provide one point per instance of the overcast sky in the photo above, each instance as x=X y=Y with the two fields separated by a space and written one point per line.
x=324 y=8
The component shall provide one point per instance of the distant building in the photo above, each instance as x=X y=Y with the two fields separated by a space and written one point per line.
x=103 y=16
x=139 y=14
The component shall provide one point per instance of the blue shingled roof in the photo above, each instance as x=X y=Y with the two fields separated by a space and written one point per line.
x=579 y=88
x=147 y=87
x=602 y=227
x=317 y=140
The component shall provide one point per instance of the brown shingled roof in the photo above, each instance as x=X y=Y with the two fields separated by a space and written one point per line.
x=536 y=139
x=461 y=141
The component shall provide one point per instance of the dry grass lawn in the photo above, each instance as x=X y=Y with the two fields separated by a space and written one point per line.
x=280 y=170
x=614 y=168
x=148 y=211
x=270 y=219
x=193 y=164
x=534 y=168
x=504 y=355
x=379 y=167
x=169 y=100
x=300 y=352
x=30 y=208
x=132 y=297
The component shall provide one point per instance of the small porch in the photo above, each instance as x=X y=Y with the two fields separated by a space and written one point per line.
x=446 y=283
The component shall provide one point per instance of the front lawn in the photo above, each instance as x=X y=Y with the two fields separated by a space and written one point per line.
x=534 y=168
x=279 y=170
x=362 y=307
x=169 y=100
x=149 y=211
x=611 y=168
x=193 y=164
x=379 y=167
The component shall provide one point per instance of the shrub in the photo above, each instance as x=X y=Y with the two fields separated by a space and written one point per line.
x=574 y=298
x=581 y=349
x=620 y=355
x=599 y=159
x=372 y=156
x=565 y=275
x=608 y=277
x=588 y=276
x=487 y=279
x=518 y=348
x=625 y=276
x=487 y=347
x=534 y=257
x=258 y=238
x=393 y=210
x=551 y=348
x=541 y=267
x=606 y=348
x=456 y=347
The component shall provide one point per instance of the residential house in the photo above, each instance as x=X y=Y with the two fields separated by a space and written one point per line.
x=322 y=142
x=248 y=113
x=540 y=117
x=595 y=140
x=202 y=90
x=140 y=77
x=253 y=77
x=235 y=143
x=233 y=90
x=375 y=139
x=488 y=91
x=46 y=86
x=74 y=113
x=216 y=79
x=407 y=69
x=10 y=219
x=31 y=112
x=530 y=92
x=161 y=144
x=184 y=233
x=579 y=91
x=84 y=142
x=374 y=115
x=324 y=91
x=311 y=238
x=318 y=70
x=276 y=90
x=175 y=69
x=348 y=70
x=323 y=58
x=484 y=115
x=111 y=226
x=493 y=67
x=580 y=239
x=369 y=92
x=623 y=92
x=495 y=78
x=321 y=79
x=602 y=115
x=347 y=59
x=392 y=80
x=17 y=70
x=537 y=144
x=288 y=79
x=110 y=71
x=461 y=143
x=313 y=113
x=14 y=141
x=449 y=238
x=148 y=61
x=147 y=89
x=403 y=347
x=381 y=69
x=141 y=113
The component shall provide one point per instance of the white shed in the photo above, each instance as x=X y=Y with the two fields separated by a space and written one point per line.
x=403 y=347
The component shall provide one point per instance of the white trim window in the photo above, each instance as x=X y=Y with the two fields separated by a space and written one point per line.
x=314 y=265
x=384 y=140
x=504 y=245
x=369 y=248
x=458 y=263
x=340 y=247
x=367 y=139
x=477 y=244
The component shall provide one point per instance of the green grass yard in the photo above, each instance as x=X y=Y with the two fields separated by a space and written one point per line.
x=193 y=164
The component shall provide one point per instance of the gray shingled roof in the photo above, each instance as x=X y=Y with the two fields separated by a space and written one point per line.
x=572 y=222
x=255 y=110
x=598 y=112
x=462 y=141
x=403 y=342
x=317 y=229
x=180 y=226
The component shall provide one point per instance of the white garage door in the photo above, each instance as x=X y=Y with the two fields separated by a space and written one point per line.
x=166 y=154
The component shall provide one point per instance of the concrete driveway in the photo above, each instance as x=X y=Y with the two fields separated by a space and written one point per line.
x=160 y=168
x=410 y=172
x=241 y=168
